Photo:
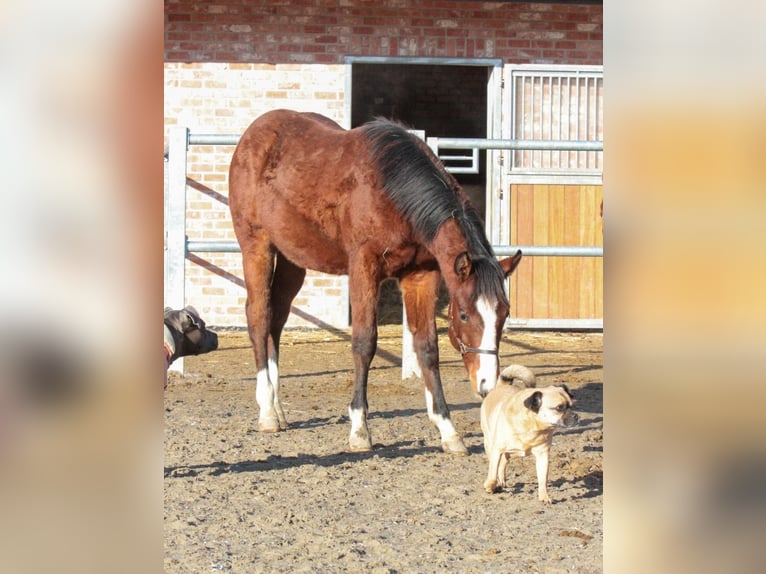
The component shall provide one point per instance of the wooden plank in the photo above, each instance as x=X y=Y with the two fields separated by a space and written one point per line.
x=587 y=236
x=571 y=290
x=521 y=234
x=540 y=236
x=558 y=282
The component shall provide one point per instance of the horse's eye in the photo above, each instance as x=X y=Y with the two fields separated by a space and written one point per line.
x=463 y=316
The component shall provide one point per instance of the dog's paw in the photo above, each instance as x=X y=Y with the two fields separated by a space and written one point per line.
x=491 y=486
x=545 y=499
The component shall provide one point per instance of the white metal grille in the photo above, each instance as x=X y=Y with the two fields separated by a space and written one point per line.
x=557 y=103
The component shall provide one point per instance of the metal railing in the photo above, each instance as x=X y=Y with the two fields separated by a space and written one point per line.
x=177 y=246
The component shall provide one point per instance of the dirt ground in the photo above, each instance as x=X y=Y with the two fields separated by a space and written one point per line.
x=296 y=501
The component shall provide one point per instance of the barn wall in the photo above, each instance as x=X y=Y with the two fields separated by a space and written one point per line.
x=228 y=62
x=225 y=98
x=321 y=32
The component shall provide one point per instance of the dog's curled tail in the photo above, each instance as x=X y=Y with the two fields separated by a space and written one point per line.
x=518 y=373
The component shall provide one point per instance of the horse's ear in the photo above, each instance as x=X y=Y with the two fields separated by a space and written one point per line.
x=510 y=263
x=463 y=266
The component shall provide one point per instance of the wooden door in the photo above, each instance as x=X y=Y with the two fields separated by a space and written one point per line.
x=546 y=288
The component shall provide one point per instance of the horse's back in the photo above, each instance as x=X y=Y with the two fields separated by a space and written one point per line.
x=285 y=152
x=294 y=174
x=283 y=120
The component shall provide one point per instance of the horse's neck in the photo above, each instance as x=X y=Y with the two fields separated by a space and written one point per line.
x=448 y=243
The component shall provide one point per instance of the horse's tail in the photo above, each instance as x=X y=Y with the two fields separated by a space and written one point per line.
x=520 y=373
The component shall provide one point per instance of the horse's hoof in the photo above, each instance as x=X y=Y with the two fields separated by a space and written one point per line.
x=454 y=446
x=359 y=444
x=270 y=426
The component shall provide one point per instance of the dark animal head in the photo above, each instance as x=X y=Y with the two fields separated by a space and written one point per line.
x=477 y=312
x=189 y=332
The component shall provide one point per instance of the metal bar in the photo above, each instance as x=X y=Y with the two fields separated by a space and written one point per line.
x=587 y=116
x=500 y=250
x=554 y=324
x=549 y=250
x=213 y=139
x=212 y=247
x=424 y=60
x=561 y=118
x=513 y=144
x=446 y=143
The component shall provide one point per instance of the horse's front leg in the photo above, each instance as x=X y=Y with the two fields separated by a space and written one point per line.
x=364 y=341
x=419 y=292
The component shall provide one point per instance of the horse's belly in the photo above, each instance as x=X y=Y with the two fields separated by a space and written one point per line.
x=325 y=260
x=311 y=249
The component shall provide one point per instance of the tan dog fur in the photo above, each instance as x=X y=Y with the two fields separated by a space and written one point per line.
x=519 y=421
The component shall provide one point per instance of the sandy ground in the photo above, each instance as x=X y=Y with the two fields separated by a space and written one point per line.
x=241 y=501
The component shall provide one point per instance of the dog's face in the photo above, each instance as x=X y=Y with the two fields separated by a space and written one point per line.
x=189 y=332
x=552 y=406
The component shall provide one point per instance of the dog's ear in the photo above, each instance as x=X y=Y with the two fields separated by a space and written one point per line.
x=190 y=309
x=566 y=390
x=534 y=401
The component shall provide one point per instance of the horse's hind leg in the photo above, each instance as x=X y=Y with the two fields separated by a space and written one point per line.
x=258 y=267
x=288 y=279
x=420 y=291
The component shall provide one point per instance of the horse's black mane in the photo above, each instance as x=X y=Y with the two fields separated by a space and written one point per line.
x=428 y=195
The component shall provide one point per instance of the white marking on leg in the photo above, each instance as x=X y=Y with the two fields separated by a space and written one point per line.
x=486 y=375
x=264 y=396
x=360 y=434
x=410 y=365
x=274 y=378
x=445 y=426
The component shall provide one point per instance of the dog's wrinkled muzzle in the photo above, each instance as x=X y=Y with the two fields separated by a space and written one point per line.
x=571 y=420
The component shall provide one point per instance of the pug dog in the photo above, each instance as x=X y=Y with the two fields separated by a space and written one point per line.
x=520 y=419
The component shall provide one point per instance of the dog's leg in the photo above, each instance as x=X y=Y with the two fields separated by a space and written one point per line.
x=501 y=469
x=495 y=457
x=541 y=462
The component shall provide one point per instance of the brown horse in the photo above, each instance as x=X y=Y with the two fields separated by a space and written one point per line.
x=372 y=203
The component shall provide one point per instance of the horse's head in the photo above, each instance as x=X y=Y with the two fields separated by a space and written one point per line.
x=477 y=312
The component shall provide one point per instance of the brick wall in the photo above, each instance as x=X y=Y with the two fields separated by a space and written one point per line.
x=225 y=98
x=321 y=32
x=228 y=62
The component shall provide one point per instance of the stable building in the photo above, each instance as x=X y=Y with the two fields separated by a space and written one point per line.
x=451 y=70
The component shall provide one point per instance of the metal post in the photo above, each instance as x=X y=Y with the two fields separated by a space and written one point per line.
x=175 y=224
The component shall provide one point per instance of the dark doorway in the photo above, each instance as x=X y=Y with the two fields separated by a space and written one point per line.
x=441 y=100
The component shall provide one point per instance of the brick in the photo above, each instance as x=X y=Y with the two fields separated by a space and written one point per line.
x=223 y=69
